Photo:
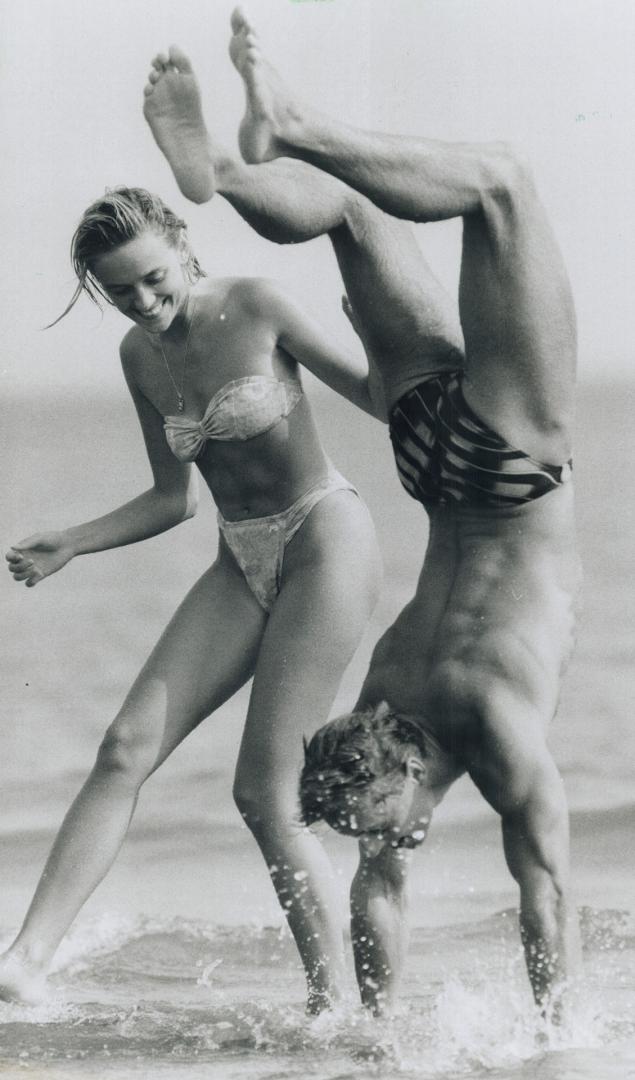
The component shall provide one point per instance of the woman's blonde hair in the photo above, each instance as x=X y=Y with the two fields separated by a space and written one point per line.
x=122 y=214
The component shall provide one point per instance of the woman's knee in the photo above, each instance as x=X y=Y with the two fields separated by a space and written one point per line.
x=267 y=810
x=126 y=753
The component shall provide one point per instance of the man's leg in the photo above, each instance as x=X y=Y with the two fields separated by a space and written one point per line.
x=516 y=308
x=386 y=168
x=403 y=315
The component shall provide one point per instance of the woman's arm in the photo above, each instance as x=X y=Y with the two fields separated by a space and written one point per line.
x=304 y=340
x=171 y=499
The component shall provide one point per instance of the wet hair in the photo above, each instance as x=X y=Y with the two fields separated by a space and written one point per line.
x=121 y=215
x=354 y=755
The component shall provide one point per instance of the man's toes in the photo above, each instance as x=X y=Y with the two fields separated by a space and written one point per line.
x=179 y=59
x=148 y=89
x=243 y=25
x=238 y=19
x=160 y=62
x=154 y=76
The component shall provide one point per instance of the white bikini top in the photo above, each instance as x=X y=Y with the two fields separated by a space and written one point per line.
x=240 y=410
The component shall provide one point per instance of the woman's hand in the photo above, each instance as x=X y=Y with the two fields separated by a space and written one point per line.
x=39 y=556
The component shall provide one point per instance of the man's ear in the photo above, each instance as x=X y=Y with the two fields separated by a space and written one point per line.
x=415 y=769
x=183 y=249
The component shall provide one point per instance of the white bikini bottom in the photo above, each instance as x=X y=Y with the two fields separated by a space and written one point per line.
x=258 y=544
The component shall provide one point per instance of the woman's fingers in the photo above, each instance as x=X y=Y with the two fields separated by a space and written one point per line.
x=22 y=568
x=18 y=561
x=30 y=577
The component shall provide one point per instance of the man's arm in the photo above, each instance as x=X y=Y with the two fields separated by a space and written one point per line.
x=519 y=778
x=379 y=924
x=536 y=843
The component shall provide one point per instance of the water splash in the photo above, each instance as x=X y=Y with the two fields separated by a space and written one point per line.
x=172 y=994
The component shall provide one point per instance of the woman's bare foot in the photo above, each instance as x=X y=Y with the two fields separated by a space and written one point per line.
x=19 y=981
x=173 y=110
x=272 y=118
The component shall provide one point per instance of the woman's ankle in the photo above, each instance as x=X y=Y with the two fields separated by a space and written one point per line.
x=32 y=956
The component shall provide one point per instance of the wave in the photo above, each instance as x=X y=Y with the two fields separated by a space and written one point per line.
x=166 y=994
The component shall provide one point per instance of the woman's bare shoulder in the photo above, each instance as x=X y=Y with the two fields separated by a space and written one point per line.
x=257 y=296
x=134 y=350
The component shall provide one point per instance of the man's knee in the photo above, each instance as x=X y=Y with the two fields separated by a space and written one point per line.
x=361 y=216
x=506 y=178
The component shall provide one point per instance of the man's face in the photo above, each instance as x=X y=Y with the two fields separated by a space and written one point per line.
x=399 y=819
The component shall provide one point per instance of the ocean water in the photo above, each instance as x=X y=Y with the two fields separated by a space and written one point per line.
x=180 y=964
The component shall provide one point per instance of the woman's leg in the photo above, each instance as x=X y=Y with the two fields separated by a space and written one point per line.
x=206 y=653
x=329 y=587
x=515 y=302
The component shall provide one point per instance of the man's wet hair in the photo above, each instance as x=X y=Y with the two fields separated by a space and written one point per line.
x=353 y=753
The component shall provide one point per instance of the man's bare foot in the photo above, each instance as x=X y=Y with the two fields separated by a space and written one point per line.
x=272 y=117
x=173 y=110
x=19 y=981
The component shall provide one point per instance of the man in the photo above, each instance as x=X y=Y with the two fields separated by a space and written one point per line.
x=480 y=416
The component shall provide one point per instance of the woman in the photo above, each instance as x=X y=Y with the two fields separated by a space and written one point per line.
x=212 y=367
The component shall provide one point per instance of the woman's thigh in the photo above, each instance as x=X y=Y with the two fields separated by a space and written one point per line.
x=330 y=583
x=206 y=653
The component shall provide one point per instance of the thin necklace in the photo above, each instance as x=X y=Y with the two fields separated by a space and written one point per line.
x=179 y=391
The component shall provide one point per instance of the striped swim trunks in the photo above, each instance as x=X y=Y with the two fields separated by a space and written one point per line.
x=446 y=454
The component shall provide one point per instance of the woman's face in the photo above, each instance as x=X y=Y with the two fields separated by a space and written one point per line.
x=145 y=280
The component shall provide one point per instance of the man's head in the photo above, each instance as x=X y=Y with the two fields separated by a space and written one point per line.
x=369 y=774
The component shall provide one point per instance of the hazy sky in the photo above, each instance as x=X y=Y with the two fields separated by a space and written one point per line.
x=556 y=76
